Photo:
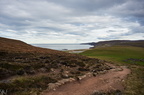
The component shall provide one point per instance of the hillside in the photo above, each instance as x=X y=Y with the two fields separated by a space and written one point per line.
x=130 y=56
x=26 y=70
x=137 y=43
x=121 y=54
x=16 y=46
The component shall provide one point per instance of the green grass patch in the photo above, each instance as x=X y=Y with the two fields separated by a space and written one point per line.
x=121 y=54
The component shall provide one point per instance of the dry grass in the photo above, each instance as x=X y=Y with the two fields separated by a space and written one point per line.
x=24 y=62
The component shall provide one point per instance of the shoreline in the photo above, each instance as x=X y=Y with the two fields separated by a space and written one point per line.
x=77 y=51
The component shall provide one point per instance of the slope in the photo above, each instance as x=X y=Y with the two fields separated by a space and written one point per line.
x=122 y=54
x=132 y=57
x=26 y=70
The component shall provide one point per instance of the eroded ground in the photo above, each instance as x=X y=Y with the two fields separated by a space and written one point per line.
x=110 y=81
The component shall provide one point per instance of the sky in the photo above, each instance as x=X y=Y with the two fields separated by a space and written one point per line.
x=71 y=21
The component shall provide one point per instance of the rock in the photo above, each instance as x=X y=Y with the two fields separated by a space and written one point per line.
x=52 y=86
x=102 y=72
x=52 y=69
x=64 y=75
x=81 y=77
x=89 y=74
x=118 y=69
x=71 y=79
x=61 y=82
x=58 y=84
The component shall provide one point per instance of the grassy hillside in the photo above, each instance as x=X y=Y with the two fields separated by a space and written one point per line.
x=133 y=57
x=121 y=54
x=27 y=70
x=135 y=43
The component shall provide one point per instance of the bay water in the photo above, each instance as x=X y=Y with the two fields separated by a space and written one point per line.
x=66 y=46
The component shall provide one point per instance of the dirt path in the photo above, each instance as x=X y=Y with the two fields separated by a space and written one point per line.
x=112 y=80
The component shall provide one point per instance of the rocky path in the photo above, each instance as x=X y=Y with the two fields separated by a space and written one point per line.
x=112 y=80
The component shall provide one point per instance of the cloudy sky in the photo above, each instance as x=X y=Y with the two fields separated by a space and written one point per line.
x=71 y=21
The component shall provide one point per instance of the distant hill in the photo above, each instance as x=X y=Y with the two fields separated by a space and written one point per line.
x=11 y=45
x=137 y=43
x=25 y=69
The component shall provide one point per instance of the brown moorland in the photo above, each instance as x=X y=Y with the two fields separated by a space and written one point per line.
x=27 y=70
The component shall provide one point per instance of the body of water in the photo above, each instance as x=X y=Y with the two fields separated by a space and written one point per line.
x=63 y=46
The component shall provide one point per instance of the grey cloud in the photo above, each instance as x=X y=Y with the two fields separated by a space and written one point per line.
x=114 y=36
x=133 y=8
x=88 y=5
x=130 y=10
x=75 y=19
